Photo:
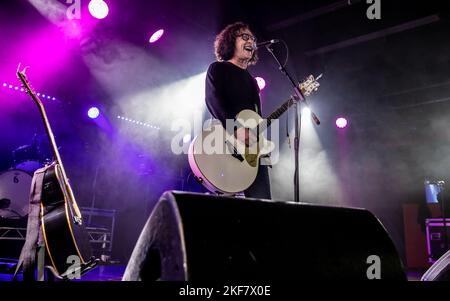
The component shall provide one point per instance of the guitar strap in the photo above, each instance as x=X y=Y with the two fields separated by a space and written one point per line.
x=257 y=109
x=27 y=259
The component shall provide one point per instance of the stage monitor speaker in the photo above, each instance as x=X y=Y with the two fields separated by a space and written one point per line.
x=192 y=236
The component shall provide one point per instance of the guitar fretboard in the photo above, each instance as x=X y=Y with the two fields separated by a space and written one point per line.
x=281 y=109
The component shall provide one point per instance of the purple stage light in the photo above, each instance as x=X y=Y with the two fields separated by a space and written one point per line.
x=156 y=36
x=341 y=122
x=261 y=83
x=10 y=86
x=16 y=88
x=93 y=112
x=98 y=9
x=5 y=84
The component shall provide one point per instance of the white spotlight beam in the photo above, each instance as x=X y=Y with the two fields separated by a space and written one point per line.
x=53 y=10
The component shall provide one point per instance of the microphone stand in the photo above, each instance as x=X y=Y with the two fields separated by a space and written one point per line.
x=299 y=97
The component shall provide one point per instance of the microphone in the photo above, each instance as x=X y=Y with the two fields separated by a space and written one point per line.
x=265 y=43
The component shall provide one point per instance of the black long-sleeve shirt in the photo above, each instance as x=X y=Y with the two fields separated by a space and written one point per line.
x=229 y=90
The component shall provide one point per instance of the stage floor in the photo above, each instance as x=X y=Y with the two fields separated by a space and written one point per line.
x=103 y=272
x=114 y=272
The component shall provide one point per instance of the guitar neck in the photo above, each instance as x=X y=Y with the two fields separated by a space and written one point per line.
x=281 y=109
x=64 y=178
x=50 y=135
x=306 y=87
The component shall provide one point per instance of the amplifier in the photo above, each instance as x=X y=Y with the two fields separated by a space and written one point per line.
x=436 y=243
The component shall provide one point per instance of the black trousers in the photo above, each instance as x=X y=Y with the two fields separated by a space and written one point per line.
x=260 y=189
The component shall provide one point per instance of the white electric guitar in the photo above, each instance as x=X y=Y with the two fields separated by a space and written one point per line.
x=226 y=165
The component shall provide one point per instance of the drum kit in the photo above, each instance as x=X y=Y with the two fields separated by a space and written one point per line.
x=15 y=183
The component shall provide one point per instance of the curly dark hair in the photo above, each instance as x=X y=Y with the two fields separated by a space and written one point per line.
x=225 y=42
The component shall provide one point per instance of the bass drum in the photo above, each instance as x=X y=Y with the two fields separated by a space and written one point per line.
x=29 y=166
x=15 y=188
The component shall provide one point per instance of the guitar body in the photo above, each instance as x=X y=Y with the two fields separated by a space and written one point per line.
x=225 y=165
x=216 y=165
x=62 y=235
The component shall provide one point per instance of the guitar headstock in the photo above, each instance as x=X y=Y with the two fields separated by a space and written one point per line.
x=23 y=79
x=310 y=85
x=26 y=84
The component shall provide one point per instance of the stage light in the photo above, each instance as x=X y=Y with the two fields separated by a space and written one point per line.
x=98 y=9
x=341 y=122
x=156 y=36
x=137 y=122
x=20 y=89
x=306 y=111
x=93 y=112
x=261 y=82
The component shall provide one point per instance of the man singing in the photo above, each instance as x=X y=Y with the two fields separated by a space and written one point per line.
x=230 y=88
